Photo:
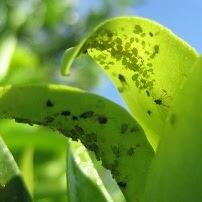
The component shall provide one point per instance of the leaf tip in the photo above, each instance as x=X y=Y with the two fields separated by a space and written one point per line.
x=67 y=61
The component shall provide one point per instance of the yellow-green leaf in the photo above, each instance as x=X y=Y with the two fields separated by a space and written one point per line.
x=176 y=171
x=146 y=62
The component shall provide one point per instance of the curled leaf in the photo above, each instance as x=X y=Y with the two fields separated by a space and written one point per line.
x=102 y=126
x=146 y=62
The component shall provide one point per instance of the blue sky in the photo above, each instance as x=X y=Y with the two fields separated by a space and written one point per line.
x=183 y=17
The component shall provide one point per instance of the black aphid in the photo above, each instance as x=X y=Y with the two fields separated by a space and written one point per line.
x=49 y=103
x=121 y=78
x=122 y=184
x=65 y=113
x=158 y=101
x=87 y=114
x=74 y=118
x=102 y=119
x=149 y=112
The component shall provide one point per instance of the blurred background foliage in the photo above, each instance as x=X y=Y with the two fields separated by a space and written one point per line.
x=33 y=37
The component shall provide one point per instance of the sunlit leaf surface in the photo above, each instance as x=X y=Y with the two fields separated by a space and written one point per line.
x=146 y=62
x=176 y=171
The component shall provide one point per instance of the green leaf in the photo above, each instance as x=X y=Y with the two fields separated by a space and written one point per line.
x=176 y=171
x=50 y=177
x=146 y=62
x=107 y=180
x=27 y=167
x=37 y=134
x=7 y=47
x=12 y=187
x=23 y=66
x=101 y=125
x=49 y=162
x=84 y=183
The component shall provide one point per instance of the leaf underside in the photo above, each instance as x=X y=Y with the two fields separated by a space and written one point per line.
x=102 y=126
x=146 y=62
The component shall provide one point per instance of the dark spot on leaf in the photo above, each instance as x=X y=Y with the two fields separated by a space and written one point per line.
x=23 y=120
x=74 y=134
x=138 y=29
x=151 y=34
x=102 y=119
x=134 y=129
x=158 y=101
x=118 y=40
x=49 y=103
x=131 y=151
x=156 y=51
x=110 y=34
x=114 y=168
x=87 y=114
x=124 y=128
x=134 y=51
x=65 y=113
x=148 y=93
x=64 y=132
x=107 y=165
x=79 y=130
x=95 y=148
x=122 y=184
x=132 y=40
x=91 y=138
x=172 y=119
x=149 y=112
x=156 y=48
x=116 y=151
x=135 y=77
x=74 y=118
x=121 y=78
x=127 y=45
